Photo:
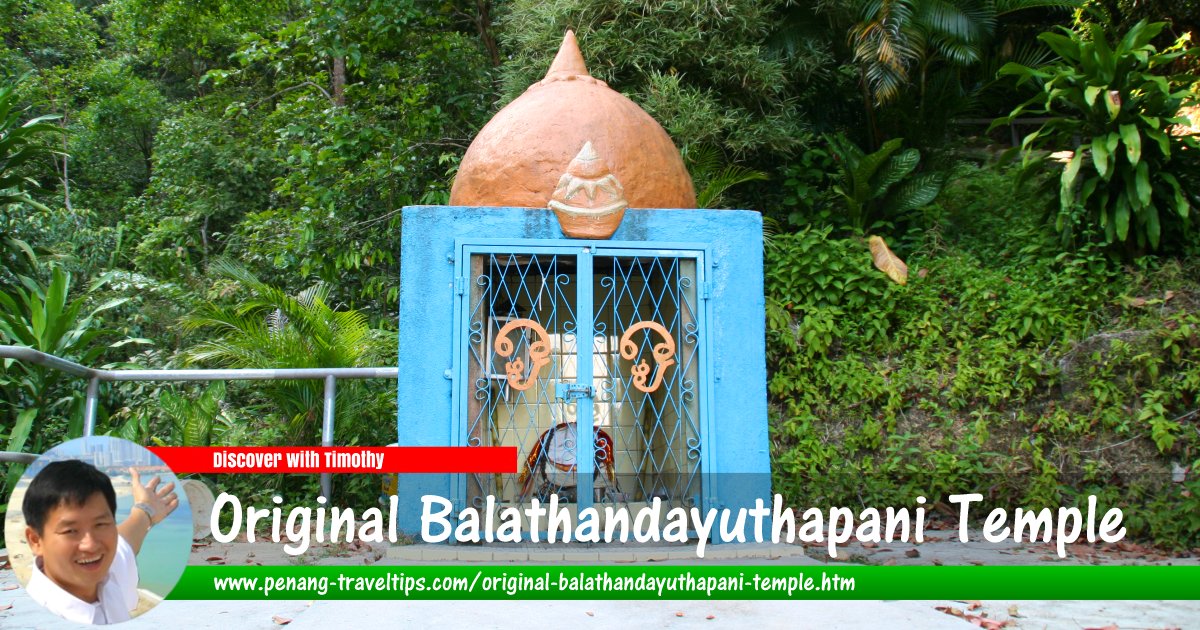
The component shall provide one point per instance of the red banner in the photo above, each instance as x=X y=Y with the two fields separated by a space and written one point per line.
x=338 y=459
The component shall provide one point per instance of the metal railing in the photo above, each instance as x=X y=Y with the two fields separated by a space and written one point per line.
x=95 y=376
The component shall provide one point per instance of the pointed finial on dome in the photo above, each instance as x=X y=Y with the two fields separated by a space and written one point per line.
x=568 y=61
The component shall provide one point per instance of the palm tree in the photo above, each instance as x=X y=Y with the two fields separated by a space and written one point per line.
x=894 y=36
x=900 y=42
x=272 y=329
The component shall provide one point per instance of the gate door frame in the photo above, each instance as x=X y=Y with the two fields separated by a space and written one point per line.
x=584 y=252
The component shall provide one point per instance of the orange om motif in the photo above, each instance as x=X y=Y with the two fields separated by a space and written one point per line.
x=664 y=355
x=539 y=353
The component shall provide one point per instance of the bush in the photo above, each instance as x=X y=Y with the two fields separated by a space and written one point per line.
x=1131 y=181
x=1028 y=374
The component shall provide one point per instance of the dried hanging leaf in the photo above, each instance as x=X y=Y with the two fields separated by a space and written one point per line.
x=886 y=261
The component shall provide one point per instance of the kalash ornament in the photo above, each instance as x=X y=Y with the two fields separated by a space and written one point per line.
x=589 y=200
x=572 y=143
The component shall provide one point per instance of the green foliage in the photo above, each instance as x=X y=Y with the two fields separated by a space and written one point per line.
x=287 y=135
x=192 y=421
x=21 y=143
x=879 y=188
x=894 y=36
x=183 y=40
x=339 y=165
x=270 y=329
x=204 y=182
x=1130 y=183
x=37 y=403
x=704 y=71
x=114 y=135
x=1036 y=374
x=713 y=177
x=809 y=184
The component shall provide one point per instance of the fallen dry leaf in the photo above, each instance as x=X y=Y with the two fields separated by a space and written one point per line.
x=711 y=617
x=4 y=607
x=922 y=273
x=9 y=587
x=937 y=563
x=886 y=261
x=280 y=620
x=1168 y=296
x=890 y=562
x=987 y=624
x=214 y=558
x=591 y=614
x=1012 y=611
x=870 y=545
x=913 y=553
x=679 y=613
x=1136 y=302
x=950 y=610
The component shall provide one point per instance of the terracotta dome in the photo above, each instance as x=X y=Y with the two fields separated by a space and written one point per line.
x=519 y=156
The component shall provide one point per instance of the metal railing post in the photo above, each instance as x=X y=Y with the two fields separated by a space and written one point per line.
x=327 y=432
x=95 y=376
x=89 y=408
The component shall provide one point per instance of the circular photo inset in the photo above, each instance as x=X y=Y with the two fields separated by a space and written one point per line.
x=98 y=530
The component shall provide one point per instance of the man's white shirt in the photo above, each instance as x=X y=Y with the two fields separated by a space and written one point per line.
x=117 y=593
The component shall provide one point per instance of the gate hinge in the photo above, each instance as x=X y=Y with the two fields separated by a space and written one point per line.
x=705 y=290
x=572 y=391
x=460 y=285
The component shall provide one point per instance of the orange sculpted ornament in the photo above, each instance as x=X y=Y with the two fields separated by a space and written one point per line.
x=519 y=157
x=589 y=201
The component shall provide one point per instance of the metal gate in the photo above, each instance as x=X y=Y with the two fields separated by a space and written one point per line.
x=590 y=360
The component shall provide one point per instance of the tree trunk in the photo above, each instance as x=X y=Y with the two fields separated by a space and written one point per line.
x=339 y=81
x=204 y=242
x=483 y=21
x=66 y=175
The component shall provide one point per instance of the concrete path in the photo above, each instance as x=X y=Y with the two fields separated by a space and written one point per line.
x=21 y=613
x=607 y=615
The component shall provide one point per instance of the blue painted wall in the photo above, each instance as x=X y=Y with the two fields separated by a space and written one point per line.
x=737 y=444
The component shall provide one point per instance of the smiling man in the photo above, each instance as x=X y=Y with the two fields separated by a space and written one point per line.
x=85 y=569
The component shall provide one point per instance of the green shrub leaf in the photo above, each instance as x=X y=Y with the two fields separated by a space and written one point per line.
x=1133 y=143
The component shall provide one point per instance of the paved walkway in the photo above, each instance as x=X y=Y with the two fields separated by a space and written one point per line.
x=22 y=613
